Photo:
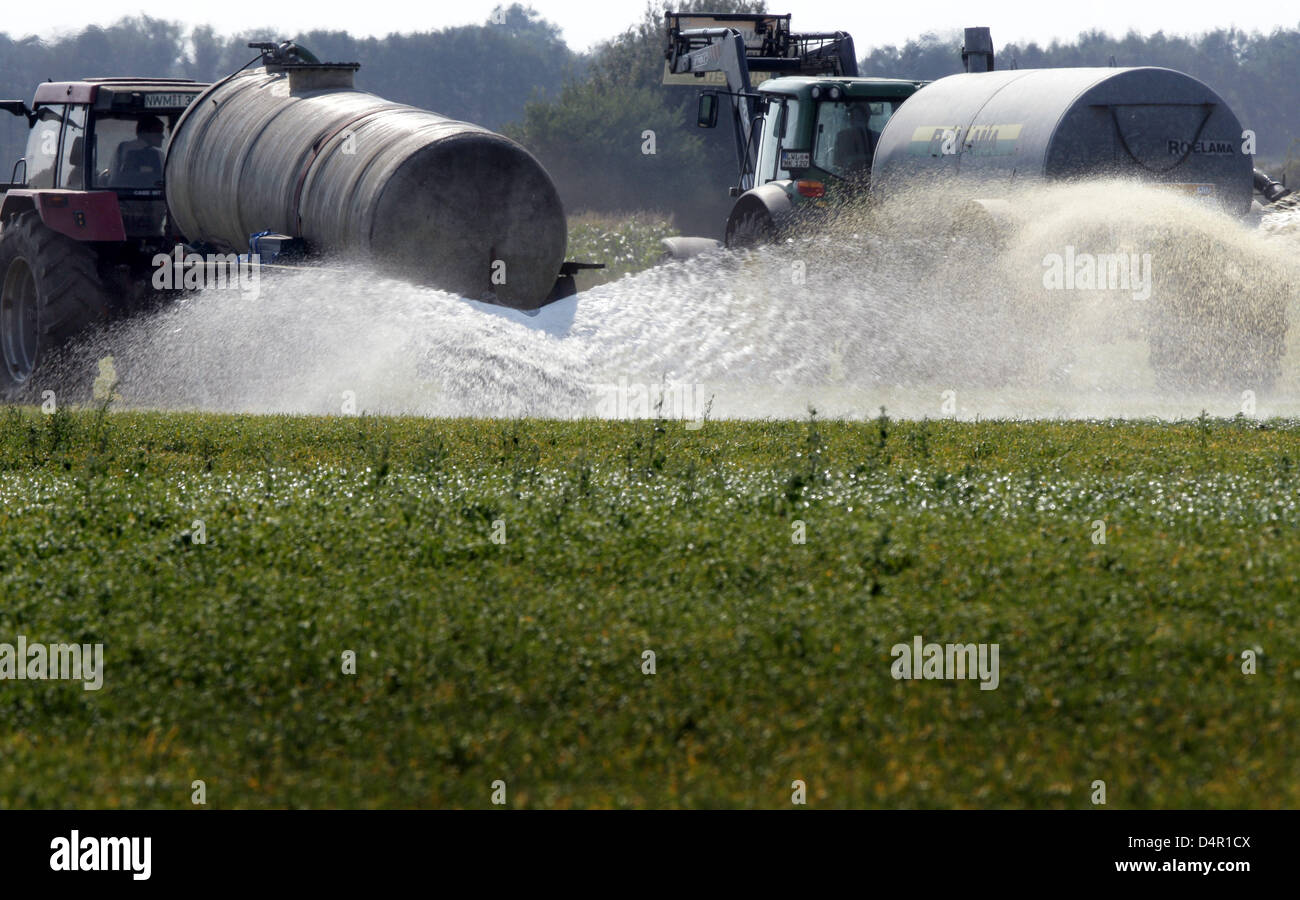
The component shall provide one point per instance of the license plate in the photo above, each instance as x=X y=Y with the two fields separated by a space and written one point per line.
x=166 y=101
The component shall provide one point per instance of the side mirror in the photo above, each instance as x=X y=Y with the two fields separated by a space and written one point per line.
x=707 y=114
x=18 y=108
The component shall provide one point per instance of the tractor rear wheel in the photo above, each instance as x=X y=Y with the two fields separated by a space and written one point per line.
x=752 y=228
x=50 y=291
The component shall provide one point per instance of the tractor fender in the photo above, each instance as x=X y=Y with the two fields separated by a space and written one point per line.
x=81 y=215
x=770 y=201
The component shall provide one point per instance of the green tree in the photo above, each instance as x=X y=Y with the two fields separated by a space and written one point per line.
x=591 y=136
x=613 y=150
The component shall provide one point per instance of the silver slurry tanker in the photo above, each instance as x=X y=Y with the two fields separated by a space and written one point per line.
x=293 y=148
x=1004 y=128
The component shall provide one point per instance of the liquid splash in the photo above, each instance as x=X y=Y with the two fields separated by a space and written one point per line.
x=901 y=308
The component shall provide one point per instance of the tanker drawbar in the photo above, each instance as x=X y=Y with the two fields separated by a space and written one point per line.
x=293 y=148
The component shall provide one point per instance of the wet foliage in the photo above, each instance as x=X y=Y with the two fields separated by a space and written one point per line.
x=500 y=581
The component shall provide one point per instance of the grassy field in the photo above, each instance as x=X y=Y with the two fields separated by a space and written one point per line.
x=522 y=660
x=625 y=244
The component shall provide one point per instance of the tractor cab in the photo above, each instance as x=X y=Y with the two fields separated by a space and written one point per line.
x=824 y=130
x=816 y=139
x=105 y=138
x=84 y=212
x=808 y=132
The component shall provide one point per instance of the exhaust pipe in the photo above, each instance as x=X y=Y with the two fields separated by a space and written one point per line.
x=977 y=53
x=1272 y=191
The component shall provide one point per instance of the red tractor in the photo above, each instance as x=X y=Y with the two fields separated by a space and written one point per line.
x=85 y=212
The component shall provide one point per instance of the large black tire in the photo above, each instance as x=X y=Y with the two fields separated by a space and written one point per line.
x=751 y=228
x=50 y=291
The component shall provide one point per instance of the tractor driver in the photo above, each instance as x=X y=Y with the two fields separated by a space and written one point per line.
x=856 y=143
x=139 y=163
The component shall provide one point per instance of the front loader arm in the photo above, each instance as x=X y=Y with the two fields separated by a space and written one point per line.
x=773 y=50
x=703 y=50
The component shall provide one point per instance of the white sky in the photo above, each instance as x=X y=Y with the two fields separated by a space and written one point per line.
x=585 y=22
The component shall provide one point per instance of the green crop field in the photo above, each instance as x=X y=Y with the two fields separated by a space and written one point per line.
x=360 y=612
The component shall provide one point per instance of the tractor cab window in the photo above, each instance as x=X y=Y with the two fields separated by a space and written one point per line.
x=128 y=151
x=778 y=130
x=846 y=133
x=43 y=146
x=72 y=166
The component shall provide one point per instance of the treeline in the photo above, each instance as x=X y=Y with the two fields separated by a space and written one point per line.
x=612 y=135
x=1254 y=73
x=480 y=73
x=619 y=140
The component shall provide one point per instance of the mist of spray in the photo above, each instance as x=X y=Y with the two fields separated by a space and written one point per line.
x=917 y=307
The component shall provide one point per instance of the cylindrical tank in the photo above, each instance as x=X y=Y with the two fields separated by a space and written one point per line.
x=299 y=151
x=1005 y=127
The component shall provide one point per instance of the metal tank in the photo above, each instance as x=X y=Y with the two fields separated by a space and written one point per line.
x=292 y=147
x=1002 y=128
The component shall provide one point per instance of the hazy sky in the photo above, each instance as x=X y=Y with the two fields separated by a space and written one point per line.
x=588 y=21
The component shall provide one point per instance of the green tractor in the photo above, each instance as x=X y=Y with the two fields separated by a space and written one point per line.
x=816 y=142
x=805 y=138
